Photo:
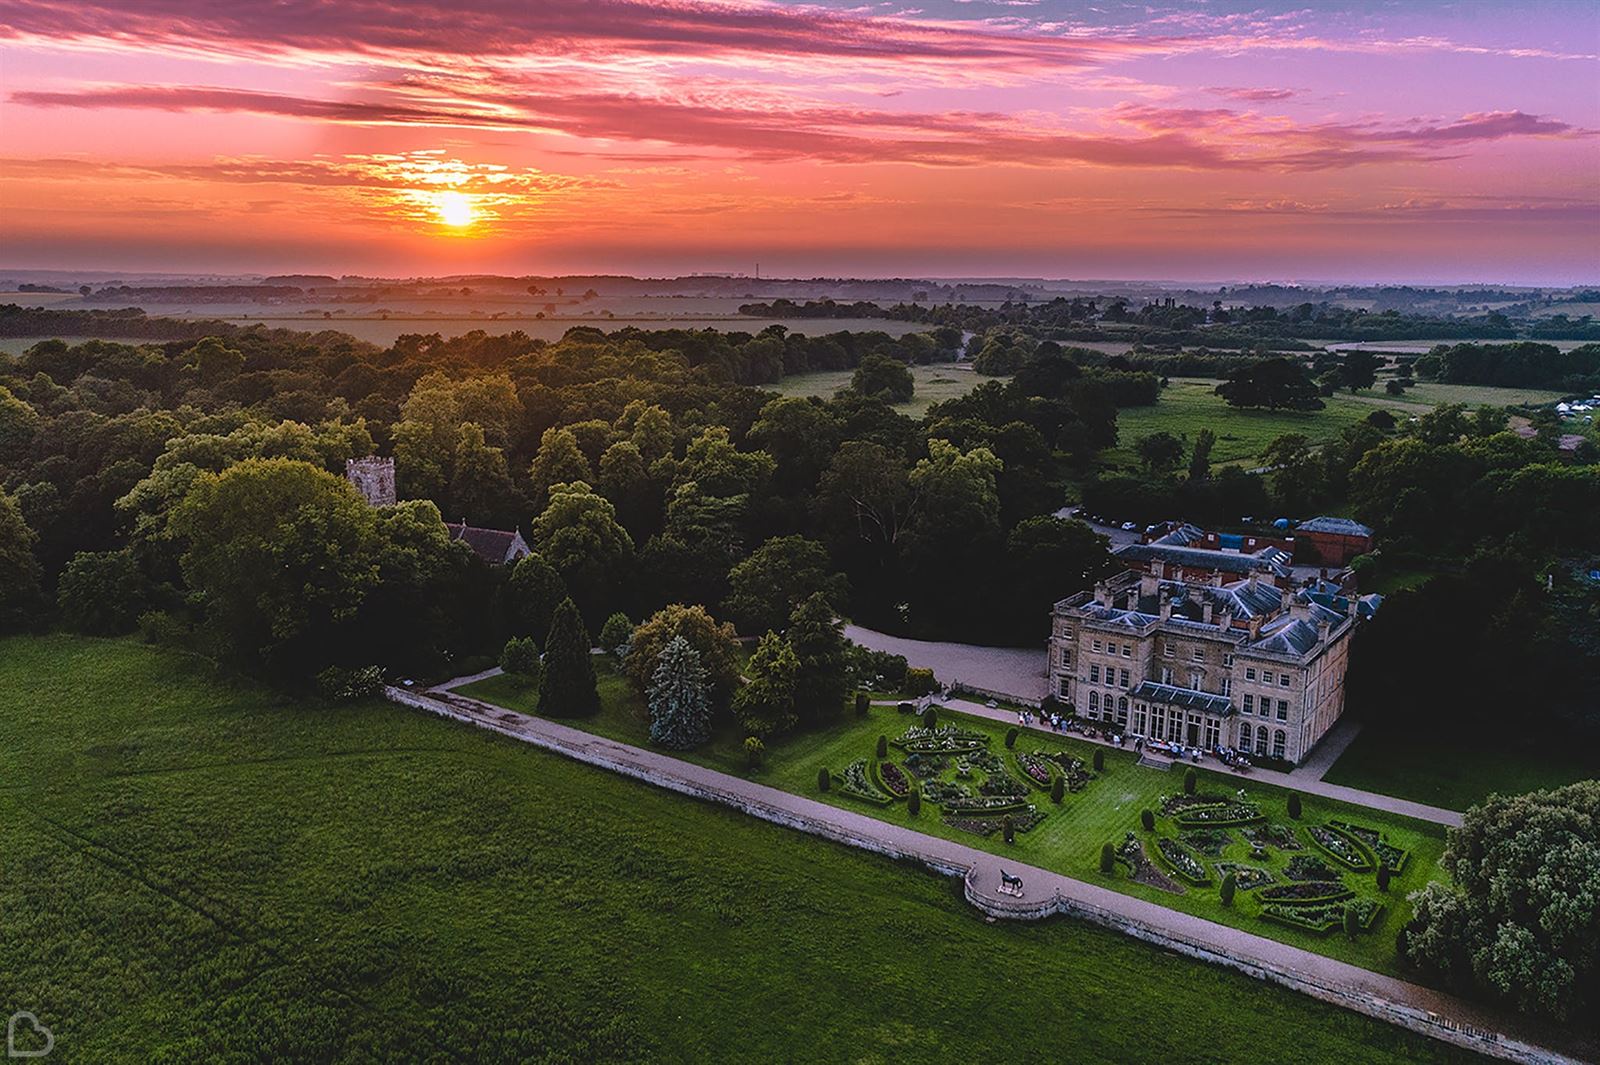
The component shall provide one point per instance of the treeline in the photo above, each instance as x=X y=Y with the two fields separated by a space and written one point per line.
x=824 y=308
x=1523 y=365
x=196 y=488
x=130 y=322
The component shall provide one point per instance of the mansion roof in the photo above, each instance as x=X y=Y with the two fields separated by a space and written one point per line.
x=1253 y=615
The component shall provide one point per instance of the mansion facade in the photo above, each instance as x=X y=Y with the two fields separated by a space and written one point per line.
x=1243 y=664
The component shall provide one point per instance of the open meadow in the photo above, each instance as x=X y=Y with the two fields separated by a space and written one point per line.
x=934 y=384
x=199 y=870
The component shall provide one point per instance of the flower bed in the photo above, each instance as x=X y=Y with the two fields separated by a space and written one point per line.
x=1182 y=862
x=987 y=761
x=988 y=826
x=1342 y=848
x=856 y=782
x=1387 y=853
x=984 y=804
x=1172 y=805
x=893 y=780
x=1322 y=918
x=1229 y=813
x=1036 y=770
x=945 y=739
x=926 y=766
x=1000 y=784
x=1273 y=834
x=941 y=793
x=1074 y=769
x=1208 y=841
x=1246 y=877
x=1307 y=891
x=1306 y=867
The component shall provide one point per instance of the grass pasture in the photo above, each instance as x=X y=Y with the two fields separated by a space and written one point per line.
x=1069 y=839
x=934 y=383
x=196 y=869
x=1190 y=404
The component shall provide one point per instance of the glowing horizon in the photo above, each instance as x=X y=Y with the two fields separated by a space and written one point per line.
x=1357 y=141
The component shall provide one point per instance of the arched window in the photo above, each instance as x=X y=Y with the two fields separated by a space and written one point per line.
x=1245 y=743
x=1122 y=711
x=1094 y=703
x=1280 y=740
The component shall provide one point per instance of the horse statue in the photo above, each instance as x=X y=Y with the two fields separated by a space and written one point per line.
x=1010 y=885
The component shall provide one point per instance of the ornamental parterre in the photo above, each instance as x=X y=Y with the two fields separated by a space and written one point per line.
x=1342 y=847
x=1183 y=863
x=856 y=782
x=943 y=739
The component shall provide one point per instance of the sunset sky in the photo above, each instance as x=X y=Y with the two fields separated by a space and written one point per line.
x=1383 y=141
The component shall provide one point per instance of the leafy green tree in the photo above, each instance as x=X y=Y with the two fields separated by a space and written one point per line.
x=520 y=658
x=1159 y=453
x=558 y=461
x=1296 y=473
x=1520 y=921
x=823 y=680
x=755 y=752
x=765 y=705
x=578 y=534
x=1358 y=369
x=102 y=592
x=680 y=706
x=282 y=554
x=569 y=688
x=883 y=377
x=1276 y=384
x=627 y=483
x=616 y=632
x=766 y=587
x=1200 y=459
x=19 y=424
x=801 y=434
x=480 y=482
x=19 y=570
x=716 y=643
x=865 y=496
x=1230 y=884
x=535 y=590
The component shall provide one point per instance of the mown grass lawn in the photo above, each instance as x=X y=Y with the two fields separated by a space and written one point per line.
x=1070 y=838
x=195 y=869
x=1455 y=774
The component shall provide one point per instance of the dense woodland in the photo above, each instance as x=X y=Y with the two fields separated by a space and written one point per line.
x=648 y=468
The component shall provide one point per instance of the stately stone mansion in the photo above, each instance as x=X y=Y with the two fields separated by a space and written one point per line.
x=1242 y=664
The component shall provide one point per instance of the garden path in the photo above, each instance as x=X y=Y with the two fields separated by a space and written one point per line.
x=1137 y=916
x=1311 y=783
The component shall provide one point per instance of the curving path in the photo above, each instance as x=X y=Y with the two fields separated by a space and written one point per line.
x=1419 y=1008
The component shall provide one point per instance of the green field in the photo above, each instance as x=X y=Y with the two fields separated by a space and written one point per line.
x=1069 y=840
x=934 y=384
x=1455 y=775
x=1188 y=405
x=199 y=870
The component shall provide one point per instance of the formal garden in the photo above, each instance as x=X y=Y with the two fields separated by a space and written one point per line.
x=956 y=776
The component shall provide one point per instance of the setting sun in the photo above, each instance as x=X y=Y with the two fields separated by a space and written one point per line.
x=455 y=209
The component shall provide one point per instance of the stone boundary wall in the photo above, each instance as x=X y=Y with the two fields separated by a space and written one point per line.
x=606 y=754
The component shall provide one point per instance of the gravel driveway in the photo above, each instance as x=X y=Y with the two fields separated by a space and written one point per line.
x=1017 y=672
